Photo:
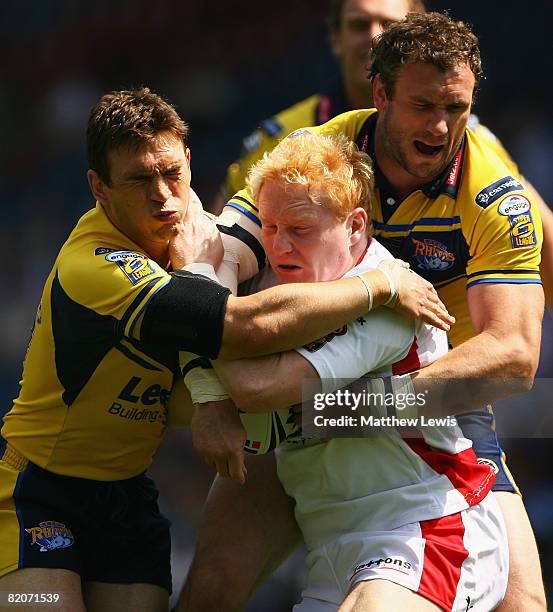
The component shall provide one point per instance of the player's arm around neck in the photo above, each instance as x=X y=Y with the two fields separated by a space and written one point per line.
x=500 y=360
x=287 y=316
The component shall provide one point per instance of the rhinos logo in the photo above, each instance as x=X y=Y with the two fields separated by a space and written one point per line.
x=51 y=535
x=432 y=255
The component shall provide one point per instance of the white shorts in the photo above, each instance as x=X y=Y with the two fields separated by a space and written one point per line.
x=456 y=562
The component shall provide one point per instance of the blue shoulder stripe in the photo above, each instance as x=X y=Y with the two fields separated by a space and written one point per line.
x=446 y=222
x=133 y=357
x=145 y=305
x=244 y=211
x=511 y=281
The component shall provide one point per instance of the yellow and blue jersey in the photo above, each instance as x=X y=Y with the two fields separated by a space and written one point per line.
x=474 y=224
x=315 y=110
x=93 y=396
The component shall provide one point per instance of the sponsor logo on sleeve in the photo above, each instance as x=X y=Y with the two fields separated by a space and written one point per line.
x=514 y=205
x=135 y=266
x=493 y=192
x=518 y=210
x=103 y=250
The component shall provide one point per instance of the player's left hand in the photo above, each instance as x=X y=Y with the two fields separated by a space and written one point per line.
x=197 y=240
x=219 y=436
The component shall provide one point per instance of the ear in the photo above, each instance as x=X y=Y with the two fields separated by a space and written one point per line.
x=379 y=94
x=98 y=187
x=188 y=160
x=357 y=222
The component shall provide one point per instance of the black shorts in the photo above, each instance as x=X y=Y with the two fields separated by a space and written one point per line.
x=105 y=531
x=479 y=426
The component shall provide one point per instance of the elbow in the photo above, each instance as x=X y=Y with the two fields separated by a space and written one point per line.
x=249 y=400
x=522 y=367
x=247 y=394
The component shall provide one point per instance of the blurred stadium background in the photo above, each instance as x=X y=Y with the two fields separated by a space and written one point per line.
x=226 y=66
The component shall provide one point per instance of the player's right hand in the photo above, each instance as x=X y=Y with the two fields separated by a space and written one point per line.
x=198 y=240
x=416 y=297
x=219 y=436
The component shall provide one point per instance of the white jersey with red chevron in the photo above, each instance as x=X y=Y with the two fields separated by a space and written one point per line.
x=398 y=476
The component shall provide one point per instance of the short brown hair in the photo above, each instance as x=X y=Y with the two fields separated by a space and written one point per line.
x=337 y=6
x=129 y=118
x=335 y=173
x=430 y=38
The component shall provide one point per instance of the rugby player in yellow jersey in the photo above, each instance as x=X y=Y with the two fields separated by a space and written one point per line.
x=444 y=202
x=353 y=24
x=78 y=517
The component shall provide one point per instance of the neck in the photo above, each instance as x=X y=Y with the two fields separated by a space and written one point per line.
x=358 y=251
x=402 y=182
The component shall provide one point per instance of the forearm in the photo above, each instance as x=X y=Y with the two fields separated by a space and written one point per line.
x=281 y=318
x=482 y=370
x=265 y=383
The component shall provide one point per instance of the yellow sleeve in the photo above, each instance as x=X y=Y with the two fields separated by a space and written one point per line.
x=265 y=138
x=494 y=142
x=118 y=283
x=505 y=239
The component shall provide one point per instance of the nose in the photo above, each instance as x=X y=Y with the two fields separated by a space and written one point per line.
x=159 y=190
x=437 y=123
x=282 y=243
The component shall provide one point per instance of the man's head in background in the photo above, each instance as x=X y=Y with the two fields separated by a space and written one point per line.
x=314 y=199
x=354 y=24
x=425 y=70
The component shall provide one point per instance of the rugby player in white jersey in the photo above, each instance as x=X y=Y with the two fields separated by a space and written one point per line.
x=393 y=520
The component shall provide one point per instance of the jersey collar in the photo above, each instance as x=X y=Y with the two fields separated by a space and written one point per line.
x=450 y=179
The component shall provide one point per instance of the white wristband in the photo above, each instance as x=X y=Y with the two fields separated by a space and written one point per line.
x=369 y=290
x=393 y=289
x=204 y=386
x=204 y=269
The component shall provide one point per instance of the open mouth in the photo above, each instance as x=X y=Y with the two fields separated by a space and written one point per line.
x=288 y=267
x=428 y=149
x=167 y=215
